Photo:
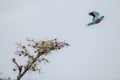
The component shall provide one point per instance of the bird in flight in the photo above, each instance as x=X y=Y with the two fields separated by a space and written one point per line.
x=96 y=19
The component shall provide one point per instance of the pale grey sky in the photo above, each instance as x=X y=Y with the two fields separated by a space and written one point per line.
x=94 y=53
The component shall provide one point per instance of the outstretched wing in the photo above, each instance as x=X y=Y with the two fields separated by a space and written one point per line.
x=95 y=15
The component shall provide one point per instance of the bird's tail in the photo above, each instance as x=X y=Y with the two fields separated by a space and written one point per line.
x=90 y=24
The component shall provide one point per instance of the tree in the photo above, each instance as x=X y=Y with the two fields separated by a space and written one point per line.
x=35 y=53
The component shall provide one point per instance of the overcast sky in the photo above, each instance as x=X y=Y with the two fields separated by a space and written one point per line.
x=94 y=53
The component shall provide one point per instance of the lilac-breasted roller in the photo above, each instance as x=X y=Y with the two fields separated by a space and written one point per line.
x=96 y=19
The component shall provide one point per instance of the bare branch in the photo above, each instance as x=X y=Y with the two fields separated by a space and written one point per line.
x=35 y=52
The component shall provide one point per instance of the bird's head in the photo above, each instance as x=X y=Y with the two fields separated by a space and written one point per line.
x=102 y=17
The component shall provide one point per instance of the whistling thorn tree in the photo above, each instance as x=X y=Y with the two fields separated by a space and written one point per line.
x=35 y=52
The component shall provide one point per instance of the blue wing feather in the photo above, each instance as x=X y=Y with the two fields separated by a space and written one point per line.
x=96 y=16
